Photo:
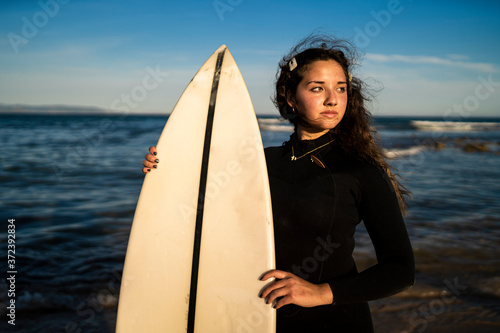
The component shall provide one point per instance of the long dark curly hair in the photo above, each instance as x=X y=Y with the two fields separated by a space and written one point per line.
x=356 y=134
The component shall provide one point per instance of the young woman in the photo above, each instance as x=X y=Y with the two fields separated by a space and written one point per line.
x=325 y=180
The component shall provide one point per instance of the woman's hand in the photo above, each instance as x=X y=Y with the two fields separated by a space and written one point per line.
x=290 y=289
x=151 y=161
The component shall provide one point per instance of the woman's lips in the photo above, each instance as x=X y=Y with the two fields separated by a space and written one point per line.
x=329 y=114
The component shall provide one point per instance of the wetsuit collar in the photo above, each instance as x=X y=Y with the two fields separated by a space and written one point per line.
x=303 y=146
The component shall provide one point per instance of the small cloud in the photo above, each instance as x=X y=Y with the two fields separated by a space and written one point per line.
x=458 y=57
x=428 y=60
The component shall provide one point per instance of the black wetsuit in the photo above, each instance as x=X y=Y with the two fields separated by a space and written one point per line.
x=316 y=211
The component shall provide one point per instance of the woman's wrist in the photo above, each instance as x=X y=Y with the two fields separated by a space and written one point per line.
x=326 y=294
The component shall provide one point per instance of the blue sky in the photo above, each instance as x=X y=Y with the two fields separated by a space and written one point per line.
x=438 y=58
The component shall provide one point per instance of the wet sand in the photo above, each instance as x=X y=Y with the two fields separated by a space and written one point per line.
x=440 y=301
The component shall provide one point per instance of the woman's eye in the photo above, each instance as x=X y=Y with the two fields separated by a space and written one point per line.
x=341 y=89
x=316 y=89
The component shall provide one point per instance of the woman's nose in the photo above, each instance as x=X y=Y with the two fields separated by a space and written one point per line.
x=330 y=98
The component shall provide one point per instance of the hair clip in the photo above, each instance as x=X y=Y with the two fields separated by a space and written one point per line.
x=349 y=76
x=292 y=64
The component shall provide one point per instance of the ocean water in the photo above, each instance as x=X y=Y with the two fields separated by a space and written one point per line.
x=69 y=186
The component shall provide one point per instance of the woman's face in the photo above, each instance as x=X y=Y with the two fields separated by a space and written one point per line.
x=321 y=98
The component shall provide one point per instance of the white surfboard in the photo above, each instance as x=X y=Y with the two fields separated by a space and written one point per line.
x=202 y=233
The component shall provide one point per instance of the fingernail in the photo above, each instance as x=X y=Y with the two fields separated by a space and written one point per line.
x=155 y=166
x=149 y=170
x=154 y=153
x=157 y=161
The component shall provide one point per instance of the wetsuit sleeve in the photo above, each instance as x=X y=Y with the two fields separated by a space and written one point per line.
x=395 y=270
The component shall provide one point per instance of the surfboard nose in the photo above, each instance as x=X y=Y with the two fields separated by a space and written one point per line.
x=221 y=48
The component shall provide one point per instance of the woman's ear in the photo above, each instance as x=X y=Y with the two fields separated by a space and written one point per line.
x=290 y=99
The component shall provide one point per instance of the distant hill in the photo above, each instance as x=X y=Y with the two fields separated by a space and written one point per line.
x=53 y=109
